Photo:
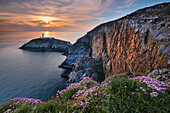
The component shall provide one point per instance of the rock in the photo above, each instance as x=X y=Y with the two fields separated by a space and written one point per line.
x=130 y=44
x=162 y=47
x=87 y=67
x=160 y=74
x=76 y=51
x=47 y=45
x=161 y=25
x=136 y=30
x=66 y=72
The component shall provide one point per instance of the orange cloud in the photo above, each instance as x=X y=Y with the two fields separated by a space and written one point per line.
x=54 y=14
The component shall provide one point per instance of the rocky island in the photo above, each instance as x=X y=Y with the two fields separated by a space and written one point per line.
x=42 y=44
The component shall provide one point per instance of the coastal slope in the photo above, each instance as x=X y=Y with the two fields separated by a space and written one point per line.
x=40 y=44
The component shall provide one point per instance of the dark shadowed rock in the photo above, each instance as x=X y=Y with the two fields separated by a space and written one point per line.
x=87 y=67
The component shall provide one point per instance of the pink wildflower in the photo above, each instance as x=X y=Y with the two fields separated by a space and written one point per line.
x=75 y=104
x=95 y=94
x=143 y=90
x=154 y=94
x=34 y=108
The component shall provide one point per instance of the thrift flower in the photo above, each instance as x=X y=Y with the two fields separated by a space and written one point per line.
x=34 y=108
x=143 y=90
x=154 y=94
x=95 y=94
x=75 y=104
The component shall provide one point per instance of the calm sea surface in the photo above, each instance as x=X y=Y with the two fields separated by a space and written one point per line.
x=30 y=74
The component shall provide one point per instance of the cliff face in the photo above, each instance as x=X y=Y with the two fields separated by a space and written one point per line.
x=81 y=48
x=138 y=42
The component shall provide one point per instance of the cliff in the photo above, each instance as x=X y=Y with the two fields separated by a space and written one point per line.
x=47 y=45
x=138 y=42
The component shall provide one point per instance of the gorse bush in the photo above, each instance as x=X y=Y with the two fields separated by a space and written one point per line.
x=139 y=94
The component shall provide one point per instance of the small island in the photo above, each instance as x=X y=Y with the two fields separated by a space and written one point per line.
x=47 y=44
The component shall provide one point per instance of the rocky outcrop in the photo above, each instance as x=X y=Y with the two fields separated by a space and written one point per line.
x=87 y=67
x=47 y=45
x=138 y=42
x=81 y=48
x=160 y=74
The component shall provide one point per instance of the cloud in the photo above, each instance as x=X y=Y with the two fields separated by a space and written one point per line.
x=66 y=14
x=36 y=21
x=3 y=20
x=6 y=15
x=126 y=4
x=88 y=22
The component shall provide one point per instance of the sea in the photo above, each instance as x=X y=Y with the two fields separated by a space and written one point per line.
x=30 y=74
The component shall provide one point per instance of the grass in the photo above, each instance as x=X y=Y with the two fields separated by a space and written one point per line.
x=116 y=95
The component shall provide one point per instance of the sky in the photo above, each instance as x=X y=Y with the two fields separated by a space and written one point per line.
x=64 y=15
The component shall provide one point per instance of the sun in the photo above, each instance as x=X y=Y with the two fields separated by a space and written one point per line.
x=47 y=19
x=47 y=34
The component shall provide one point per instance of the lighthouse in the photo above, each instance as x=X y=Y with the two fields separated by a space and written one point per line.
x=42 y=35
x=45 y=37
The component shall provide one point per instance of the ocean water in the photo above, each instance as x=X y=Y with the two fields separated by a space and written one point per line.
x=27 y=73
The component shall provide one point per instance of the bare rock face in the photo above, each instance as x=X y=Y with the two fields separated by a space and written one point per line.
x=81 y=48
x=160 y=74
x=135 y=43
x=87 y=67
x=138 y=42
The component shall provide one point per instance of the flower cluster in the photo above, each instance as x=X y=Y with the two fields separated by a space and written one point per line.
x=154 y=94
x=153 y=84
x=28 y=100
x=83 y=83
x=86 y=81
x=106 y=83
x=12 y=107
x=8 y=111
x=70 y=87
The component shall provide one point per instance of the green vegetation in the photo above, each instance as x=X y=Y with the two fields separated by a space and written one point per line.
x=116 y=95
x=98 y=67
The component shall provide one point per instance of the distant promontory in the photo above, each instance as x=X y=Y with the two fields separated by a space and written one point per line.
x=51 y=44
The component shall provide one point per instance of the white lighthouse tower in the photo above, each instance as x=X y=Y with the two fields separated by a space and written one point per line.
x=45 y=37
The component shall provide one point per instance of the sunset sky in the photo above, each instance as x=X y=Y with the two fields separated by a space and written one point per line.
x=64 y=15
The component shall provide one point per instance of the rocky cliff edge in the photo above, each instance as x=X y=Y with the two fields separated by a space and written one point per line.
x=138 y=42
